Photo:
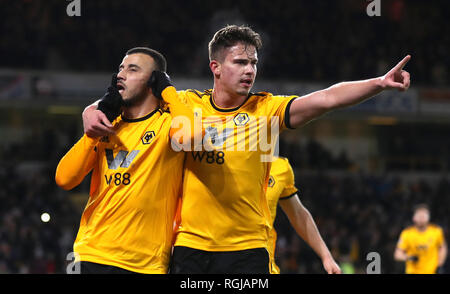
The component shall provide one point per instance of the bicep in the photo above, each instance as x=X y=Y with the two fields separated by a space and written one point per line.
x=308 y=107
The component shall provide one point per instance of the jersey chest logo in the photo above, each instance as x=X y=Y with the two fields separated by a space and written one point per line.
x=148 y=137
x=241 y=119
x=122 y=159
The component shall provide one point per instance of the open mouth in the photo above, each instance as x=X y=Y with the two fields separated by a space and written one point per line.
x=121 y=88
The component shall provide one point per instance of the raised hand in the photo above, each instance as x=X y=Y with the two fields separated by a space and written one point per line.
x=397 y=78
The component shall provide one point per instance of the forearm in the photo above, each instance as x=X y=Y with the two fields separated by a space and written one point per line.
x=307 y=229
x=350 y=93
x=400 y=255
x=312 y=106
x=442 y=255
x=76 y=164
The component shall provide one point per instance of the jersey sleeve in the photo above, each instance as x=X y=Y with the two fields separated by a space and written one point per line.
x=77 y=163
x=289 y=188
x=403 y=241
x=279 y=106
x=185 y=127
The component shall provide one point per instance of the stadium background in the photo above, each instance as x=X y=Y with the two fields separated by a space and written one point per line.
x=359 y=170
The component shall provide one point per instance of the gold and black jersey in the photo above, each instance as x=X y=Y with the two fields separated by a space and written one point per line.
x=423 y=244
x=136 y=179
x=281 y=186
x=224 y=206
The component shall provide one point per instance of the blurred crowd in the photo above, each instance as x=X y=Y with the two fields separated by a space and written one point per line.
x=304 y=40
x=28 y=190
x=358 y=214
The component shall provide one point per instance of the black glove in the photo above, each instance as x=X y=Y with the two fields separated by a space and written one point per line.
x=413 y=258
x=159 y=80
x=112 y=101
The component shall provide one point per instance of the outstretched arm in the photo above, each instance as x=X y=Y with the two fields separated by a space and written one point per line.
x=306 y=228
x=311 y=106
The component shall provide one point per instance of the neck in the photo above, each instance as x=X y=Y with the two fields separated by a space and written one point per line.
x=421 y=228
x=141 y=108
x=225 y=99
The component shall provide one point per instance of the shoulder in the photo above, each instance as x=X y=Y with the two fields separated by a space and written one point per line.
x=270 y=96
x=194 y=94
x=408 y=230
x=435 y=227
x=282 y=162
x=281 y=166
x=270 y=100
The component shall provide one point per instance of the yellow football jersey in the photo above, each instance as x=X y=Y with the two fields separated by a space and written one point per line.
x=281 y=186
x=136 y=179
x=224 y=203
x=425 y=245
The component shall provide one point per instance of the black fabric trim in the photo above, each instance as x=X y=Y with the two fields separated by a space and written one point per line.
x=140 y=118
x=261 y=94
x=198 y=93
x=286 y=114
x=287 y=197
x=211 y=100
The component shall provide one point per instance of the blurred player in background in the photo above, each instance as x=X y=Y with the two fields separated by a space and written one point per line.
x=422 y=246
x=281 y=189
x=225 y=219
x=127 y=225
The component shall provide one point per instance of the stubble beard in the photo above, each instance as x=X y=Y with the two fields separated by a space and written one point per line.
x=134 y=100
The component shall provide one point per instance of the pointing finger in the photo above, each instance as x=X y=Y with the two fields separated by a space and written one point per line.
x=402 y=63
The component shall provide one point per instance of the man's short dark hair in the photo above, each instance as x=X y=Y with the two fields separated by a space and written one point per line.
x=230 y=36
x=160 y=60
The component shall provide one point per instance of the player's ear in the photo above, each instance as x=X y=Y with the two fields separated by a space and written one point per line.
x=215 y=67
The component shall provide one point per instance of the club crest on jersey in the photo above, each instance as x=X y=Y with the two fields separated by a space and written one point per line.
x=271 y=182
x=241 y=119
x=148 y=137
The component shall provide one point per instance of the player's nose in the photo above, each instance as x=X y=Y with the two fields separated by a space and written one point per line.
x=121 y=75
x=250 y=69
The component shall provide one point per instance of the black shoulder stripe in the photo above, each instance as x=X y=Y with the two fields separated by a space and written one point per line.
x=287 y=119
x=262 y=94
x=132 y=120
x=287 y=197
x=198 y=93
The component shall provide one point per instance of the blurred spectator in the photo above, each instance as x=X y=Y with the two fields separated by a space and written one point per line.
x=344 y=44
